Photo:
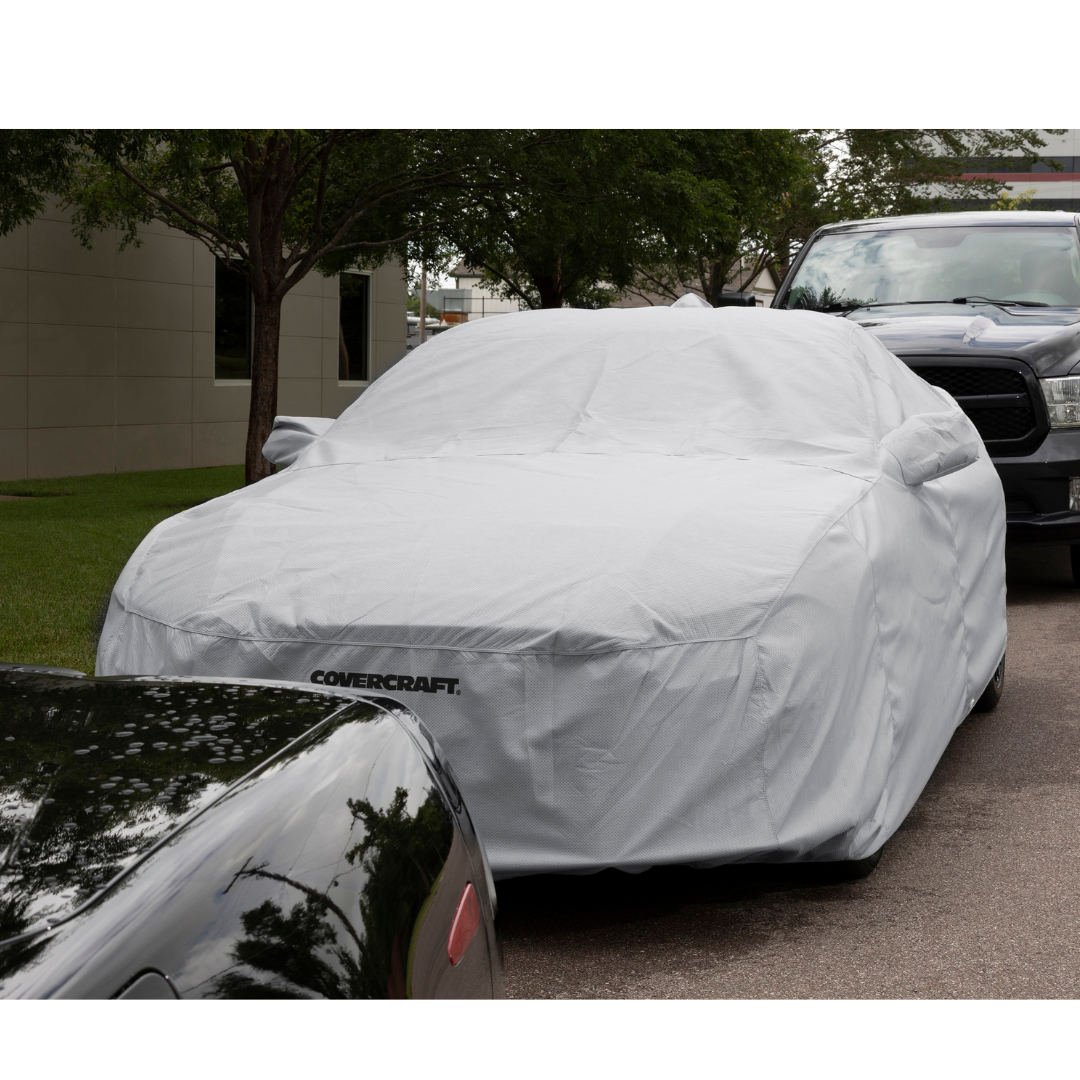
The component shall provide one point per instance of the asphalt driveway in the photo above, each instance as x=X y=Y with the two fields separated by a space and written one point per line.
x=977 y=895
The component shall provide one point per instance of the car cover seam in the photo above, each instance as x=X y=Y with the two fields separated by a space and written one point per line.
x=103 y=648
x=863 y=382
x=576 y=453
x=880 y=648
x=969 y=689
x=813 y=547
x=757 y=694
x=442 y=648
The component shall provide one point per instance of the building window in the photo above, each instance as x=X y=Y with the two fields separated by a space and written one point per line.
x=232 y=324
x=354 y=329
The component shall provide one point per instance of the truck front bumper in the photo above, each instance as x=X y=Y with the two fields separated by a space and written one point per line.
x=1042 y=529
x=1037 y=491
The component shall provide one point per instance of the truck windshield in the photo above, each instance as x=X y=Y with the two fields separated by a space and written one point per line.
x=1001 y=262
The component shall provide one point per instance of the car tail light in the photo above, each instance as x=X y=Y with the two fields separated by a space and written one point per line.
x=465 y=925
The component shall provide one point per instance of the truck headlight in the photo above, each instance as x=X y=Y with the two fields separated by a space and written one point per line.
x=1062 y=398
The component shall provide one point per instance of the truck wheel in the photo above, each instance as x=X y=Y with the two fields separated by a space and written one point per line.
x=1074 y=553
x=992 y=694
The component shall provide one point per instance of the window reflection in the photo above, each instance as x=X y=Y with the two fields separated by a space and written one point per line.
x=93 y=774
x=319 y=948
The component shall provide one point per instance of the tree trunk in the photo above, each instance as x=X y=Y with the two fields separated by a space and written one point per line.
x=716 y=284
x=264 y=386
x=550 y=289
x=720 y=273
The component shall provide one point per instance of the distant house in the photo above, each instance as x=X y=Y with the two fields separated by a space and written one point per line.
x=117 y=361
x=764 y=287
x=469 y=299
x=758 y=292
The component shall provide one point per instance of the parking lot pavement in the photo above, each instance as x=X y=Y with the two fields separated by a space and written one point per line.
x=977 y=895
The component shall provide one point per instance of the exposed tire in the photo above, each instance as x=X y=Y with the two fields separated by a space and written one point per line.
x=992 y=694
x=1074 y=555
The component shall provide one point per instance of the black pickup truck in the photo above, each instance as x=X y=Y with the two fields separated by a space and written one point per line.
x=985 y=305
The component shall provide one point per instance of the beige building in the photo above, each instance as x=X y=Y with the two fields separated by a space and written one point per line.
x=110 y=361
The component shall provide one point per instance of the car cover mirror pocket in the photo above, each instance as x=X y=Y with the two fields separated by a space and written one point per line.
x=292 y=435
x=931 y=445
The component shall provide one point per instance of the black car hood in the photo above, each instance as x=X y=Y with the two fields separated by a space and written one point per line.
x=324 y=851
x=1048 y=340
x=95 y=772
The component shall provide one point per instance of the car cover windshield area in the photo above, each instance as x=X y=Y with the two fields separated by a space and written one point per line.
x=93 y=773
x=1028 y=265
x=679 y=382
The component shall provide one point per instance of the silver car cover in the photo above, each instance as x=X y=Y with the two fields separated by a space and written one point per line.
x=653 y=577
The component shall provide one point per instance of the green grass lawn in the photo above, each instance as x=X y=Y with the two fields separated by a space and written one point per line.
x=61 y=552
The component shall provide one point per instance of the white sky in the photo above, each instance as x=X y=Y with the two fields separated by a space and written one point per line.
x=566 y=62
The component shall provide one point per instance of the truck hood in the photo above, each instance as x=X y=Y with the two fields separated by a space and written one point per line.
x=1048 y=340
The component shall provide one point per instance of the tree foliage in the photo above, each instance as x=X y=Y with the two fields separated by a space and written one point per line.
x=568 y=216
x=33 y=164
x=1021 y=201
x=785 y=184
x=750 y=187
x=877 y=172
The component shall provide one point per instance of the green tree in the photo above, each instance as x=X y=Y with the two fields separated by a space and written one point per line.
x=882 y=172
x=276 y=204
x=873 y=172
x=568 y=216
x=785 y=184
x=32 y=164
x=1005 y=201
x=750 y=187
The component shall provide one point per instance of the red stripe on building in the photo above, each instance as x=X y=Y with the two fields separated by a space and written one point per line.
x=1023 y=177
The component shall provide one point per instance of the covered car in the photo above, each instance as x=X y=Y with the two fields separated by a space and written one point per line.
x=670 y=585
x=182 y=838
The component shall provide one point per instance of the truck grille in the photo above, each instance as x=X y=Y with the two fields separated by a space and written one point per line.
x=997 y=399
x=968 y=382
x=1002 y=423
